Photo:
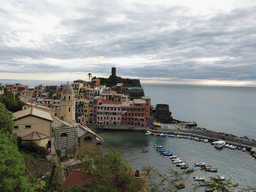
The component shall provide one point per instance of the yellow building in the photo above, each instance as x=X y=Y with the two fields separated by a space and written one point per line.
x=33 y=125
x=67 y=104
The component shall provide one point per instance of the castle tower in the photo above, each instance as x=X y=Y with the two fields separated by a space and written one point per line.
x=68 y=103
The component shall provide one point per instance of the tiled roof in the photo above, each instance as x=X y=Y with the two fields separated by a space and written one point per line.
x=77 y=178
x=32 y=112
x=34 y=136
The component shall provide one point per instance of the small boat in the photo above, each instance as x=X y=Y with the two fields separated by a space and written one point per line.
x=173 y=157
x=161 y=149
x=180 y=186
x=205 y=140
x=219 y=178
x=218 y=142
x=243 y=149
x=232 y=147
x=227 y=145
x=144 y=150
x=158 y=146
x=212 y=170
x=209 y=189
x=177 y=158
x=180 y=164
x=167 y=153
x=199 y=164
x=184 y=166
x=148 y=133
x=199 y=178
x=219 y=146
x=203 y=184
x=206 y=167
x=191 y=170
x=177 y=161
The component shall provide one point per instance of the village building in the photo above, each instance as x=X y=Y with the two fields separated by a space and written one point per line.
x=68 y=137
x=89 y=139
x=76 y=87
x=33 y=125
x=67 y=104
x=26 y=95
x=38 y=91
x=109 y=112
x=65 y=137
x=134 y=113
x=82 y=111
x=16 y=88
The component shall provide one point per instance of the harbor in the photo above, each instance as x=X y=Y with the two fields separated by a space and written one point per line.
x=232 y=164
x=184 y=129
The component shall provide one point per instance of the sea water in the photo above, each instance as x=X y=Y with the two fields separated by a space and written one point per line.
x=223 y=109
x=236 y=165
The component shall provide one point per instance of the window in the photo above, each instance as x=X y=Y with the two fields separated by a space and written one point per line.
x=88 y=138
x=16 y=127
x=27 y=126
x=63 y=135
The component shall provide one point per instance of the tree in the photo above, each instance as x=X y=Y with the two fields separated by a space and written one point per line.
x=12 y=103
x=11 y=168
x=108 y=173
x=222 y=185
x=6 y=122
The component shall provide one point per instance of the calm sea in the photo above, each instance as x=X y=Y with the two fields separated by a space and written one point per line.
x=223 y=109
x=236 y=165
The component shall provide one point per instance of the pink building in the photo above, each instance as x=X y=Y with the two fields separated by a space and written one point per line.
x=109 y=112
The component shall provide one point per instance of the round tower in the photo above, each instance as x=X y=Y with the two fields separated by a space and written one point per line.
x=67 y=104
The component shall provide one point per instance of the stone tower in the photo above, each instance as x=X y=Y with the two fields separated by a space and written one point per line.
x=67 y=104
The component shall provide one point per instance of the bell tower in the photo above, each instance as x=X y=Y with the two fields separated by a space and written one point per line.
x=67 y=104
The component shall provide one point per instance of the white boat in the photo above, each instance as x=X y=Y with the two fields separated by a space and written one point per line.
x=205 y=140
x=177 y=161
x=232 y=147
x=173 y=157
x=180 y=164
x=148 y=133
x=218 y=142
x=227 y=145
x=219 y=146
x=199 y=178
x=177 y=158
x=243 y=149
x=199 y=164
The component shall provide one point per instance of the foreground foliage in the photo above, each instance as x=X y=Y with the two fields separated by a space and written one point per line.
x=108 y=173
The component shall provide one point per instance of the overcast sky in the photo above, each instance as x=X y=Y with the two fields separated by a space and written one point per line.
x=200 y=41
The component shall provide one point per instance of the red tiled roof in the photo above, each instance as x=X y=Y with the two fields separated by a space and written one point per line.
x=76 y=178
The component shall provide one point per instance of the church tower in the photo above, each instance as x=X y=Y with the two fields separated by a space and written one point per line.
x=67 y=104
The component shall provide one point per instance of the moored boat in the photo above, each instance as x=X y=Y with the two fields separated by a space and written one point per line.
x=219 y=146
x=199 y=178
x=144 y=150
x=199 y=164
x=180 y=186
x=212 y=170
x=191 y=170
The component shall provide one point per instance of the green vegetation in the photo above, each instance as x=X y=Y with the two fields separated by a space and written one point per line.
x=108 y=173
x=11 y=103
x=6 y=122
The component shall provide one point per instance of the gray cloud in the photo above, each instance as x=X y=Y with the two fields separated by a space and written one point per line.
x=167 y=33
